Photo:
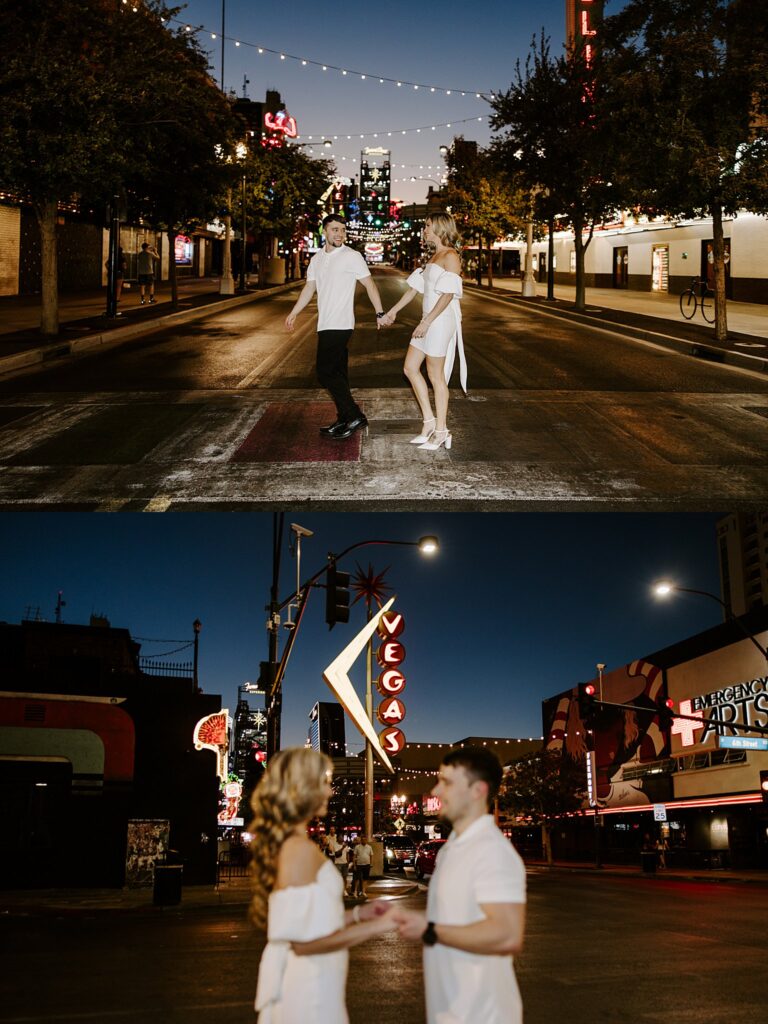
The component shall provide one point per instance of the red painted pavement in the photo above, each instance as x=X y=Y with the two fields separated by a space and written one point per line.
x=289 y=432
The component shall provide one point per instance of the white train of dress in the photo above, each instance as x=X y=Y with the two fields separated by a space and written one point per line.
x=296 y=989
x=444 y=336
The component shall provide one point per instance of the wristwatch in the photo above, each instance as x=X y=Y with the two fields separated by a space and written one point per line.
x=429 y=938
x=380 y=315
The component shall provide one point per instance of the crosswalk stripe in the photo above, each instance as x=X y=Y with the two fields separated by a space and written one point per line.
x=161 y=503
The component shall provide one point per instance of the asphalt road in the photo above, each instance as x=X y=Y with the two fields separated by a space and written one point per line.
x=223 y=414
x=598 y=951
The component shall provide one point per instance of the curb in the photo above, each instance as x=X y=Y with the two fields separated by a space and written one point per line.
x=94 y=342
x=695 y=349
x=662 y=876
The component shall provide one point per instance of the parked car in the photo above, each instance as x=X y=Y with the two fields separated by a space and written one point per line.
x=399 y=852
x=425 y=856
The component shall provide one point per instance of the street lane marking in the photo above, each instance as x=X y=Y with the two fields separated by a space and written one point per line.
x=159 y=504
x=112 y=505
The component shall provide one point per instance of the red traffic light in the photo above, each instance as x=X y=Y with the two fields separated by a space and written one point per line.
x=589 y=689
x=764 y=785
x=670 y=703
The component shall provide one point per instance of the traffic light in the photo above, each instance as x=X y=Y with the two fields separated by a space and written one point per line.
x=764 y=787
x=336 y=596
x=665 y=711
x=587 y=704
x=267 y=675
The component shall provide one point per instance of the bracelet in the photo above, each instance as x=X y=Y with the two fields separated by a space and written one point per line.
x=356 y=914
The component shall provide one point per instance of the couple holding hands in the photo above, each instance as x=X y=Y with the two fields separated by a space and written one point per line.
x=333 y=273
x=475 y=917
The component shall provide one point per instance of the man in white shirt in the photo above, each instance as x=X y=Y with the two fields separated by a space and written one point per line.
x=475 y=916
x=333 y=273
x=362 y=854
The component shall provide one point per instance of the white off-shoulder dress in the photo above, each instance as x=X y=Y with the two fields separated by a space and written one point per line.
x=444 y=338
x=296 y=989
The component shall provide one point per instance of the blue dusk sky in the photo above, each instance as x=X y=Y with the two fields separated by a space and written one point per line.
x=513 y=610
x=450 y=45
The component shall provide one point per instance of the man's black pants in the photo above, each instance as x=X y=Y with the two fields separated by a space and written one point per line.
x=333 y=373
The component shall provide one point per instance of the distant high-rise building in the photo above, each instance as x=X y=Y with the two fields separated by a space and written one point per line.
x=326 y=729
x=742 y=540
x=582 y=18
x=249 y=732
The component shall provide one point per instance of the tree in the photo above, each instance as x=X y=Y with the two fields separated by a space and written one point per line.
x=93 y=97
x=689 y=100
x=283 y=186
x=483 y=198
x=551 y=138
x=540 y=787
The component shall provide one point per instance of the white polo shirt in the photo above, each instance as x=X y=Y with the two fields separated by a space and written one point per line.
x=336 y=274
x=479 y=866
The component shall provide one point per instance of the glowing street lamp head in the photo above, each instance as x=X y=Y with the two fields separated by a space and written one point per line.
x=429 y=545
x=663 y=588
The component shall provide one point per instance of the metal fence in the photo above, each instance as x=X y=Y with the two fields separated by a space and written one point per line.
x=152 y=667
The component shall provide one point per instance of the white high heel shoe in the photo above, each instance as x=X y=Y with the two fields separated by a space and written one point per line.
x=439 y=439
x=425 y=435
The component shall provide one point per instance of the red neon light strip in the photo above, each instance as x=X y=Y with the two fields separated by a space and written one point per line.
x=747 y=798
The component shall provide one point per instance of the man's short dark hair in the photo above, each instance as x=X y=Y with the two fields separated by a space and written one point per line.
x=333 y=218
x=480 y=764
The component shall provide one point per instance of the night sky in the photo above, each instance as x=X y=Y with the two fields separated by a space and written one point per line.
x=514 y=609
x=448 y=44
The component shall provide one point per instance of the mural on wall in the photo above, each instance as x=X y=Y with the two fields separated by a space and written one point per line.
x=623 y=739
x=147 y=842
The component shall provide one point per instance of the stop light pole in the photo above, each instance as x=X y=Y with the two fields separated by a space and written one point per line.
x=337 y=610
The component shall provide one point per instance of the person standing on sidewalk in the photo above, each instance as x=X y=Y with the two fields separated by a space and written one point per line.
x=333 y=273
x=145 y=267
x=363 y=854
x=475 y=918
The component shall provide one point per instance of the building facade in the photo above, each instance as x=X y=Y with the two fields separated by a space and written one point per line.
x=99 y=774
x=742 y=540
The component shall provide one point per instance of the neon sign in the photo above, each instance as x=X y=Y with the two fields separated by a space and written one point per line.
x=212 y=733
x=391 y=682
x=281 y=122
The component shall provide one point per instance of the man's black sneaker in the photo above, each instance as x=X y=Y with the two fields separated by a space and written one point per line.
x=348 y=429
x=326 y=431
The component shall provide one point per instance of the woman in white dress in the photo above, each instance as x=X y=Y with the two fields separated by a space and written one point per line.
x=437 y=338
x=298 y=895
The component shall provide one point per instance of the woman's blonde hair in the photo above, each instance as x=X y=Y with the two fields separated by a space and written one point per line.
x=445 y=228
x=291 y=790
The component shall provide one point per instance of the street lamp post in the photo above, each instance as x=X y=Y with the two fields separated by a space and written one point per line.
x=664 y=588
x=427 y=546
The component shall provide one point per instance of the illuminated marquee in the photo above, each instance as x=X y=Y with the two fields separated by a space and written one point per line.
x=212 y=733
x=744 y=704
x=391 y=682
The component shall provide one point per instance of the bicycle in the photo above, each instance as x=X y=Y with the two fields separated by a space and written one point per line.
x=690 y=300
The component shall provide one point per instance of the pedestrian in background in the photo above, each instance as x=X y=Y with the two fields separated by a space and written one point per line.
x=362 y=854
x=333 y=273
x=297 y=894
x=146 y=270
x=437 y=337
x=475 y=916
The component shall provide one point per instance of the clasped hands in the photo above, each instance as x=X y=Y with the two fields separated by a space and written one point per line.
x=389 y=318
x=409 y=923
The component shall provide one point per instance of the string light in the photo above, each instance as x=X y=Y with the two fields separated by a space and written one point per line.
x=362 y=75
x=401 y=131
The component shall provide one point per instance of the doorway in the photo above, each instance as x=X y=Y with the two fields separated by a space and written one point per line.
x=621 y=267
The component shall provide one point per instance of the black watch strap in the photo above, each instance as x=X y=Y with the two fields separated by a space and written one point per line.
x=429 y=938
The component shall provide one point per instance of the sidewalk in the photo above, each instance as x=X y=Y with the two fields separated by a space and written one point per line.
x=711 y=875
x=84 y=325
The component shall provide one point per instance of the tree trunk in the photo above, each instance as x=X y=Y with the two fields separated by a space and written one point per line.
x=578 y=241
x=490 y=262
x=546 y=842
x=480 y=260
x=172 y=279
x=46 y=219
x=718 y=265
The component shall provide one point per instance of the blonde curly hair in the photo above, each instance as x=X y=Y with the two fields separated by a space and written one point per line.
x=290 y=791
x=445 y=228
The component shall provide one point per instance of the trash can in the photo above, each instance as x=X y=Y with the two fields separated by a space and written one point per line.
x=648 y=862
x=167 y=887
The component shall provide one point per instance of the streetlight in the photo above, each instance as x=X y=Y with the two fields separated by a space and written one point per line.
x=326 y=143
x=275 y=669
x=665 y=588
